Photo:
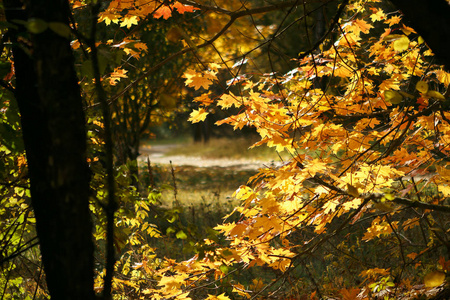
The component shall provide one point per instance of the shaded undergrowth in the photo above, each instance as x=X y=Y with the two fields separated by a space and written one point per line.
x=190 y=202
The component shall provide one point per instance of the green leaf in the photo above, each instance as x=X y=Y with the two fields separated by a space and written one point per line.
x=393 y=97
x=435 y=94
x=422 y=87
x=87 y=69
x=181 y=235
x=36 y=26
x=60 y=29
x=170 y=230
x=223 y=268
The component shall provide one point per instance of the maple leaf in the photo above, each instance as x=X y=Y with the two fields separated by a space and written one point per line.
x=412 y=255
x=349 y=294
x=361 y=26
x=181 y=8
x=410 y=223
x=129 y=21
x=171 y=282
x=445 y=264
x=389 y=84
x=198 y=115
x=240 y=289
x=140 y=46
x=117 y=75
x=393 y=20
x=378 y=15
x=165 y=12
x=204 y=100
x=197 y=80
x=443 y=77
x=228 y=100
x=375 y=272
x=109 y=17
x=220 y=297
x=355 y=203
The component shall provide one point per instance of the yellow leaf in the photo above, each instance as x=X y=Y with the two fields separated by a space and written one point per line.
x=422 y=87
x=393 y=97
x=129 y=21
x=183 y=296
x=443 y=77
x=355 y=203
x=378 y=16
x=393 y=20
x=240 y=289
x=401 y=44
x=433 y=279
x=198 y=115
x=220 y=297
x=390 y=84
x=330 y=206
x=444 y=189
x=228 y=100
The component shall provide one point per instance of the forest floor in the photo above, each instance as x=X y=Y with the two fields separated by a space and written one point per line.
x=161 y=154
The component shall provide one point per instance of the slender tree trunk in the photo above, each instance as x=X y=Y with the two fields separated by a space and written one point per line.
x=53 y=126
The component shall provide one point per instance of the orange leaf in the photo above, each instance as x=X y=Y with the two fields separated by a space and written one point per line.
x=164 y=12
x=349 y=294
x=184 y=8
x=362 y=25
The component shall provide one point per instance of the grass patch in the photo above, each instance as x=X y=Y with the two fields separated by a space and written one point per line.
x=195 y=203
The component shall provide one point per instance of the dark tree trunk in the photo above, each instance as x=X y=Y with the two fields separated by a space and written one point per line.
x=53 y=126
x=431 y=19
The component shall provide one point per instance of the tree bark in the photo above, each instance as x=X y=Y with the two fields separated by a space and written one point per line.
x=53 y=126
x=431 y=19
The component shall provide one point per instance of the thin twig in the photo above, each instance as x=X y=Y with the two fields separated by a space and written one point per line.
x=111 y=205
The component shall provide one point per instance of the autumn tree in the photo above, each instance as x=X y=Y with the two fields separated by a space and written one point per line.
x=368 y=170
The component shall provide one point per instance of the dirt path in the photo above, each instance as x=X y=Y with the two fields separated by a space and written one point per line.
x=157 y=155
